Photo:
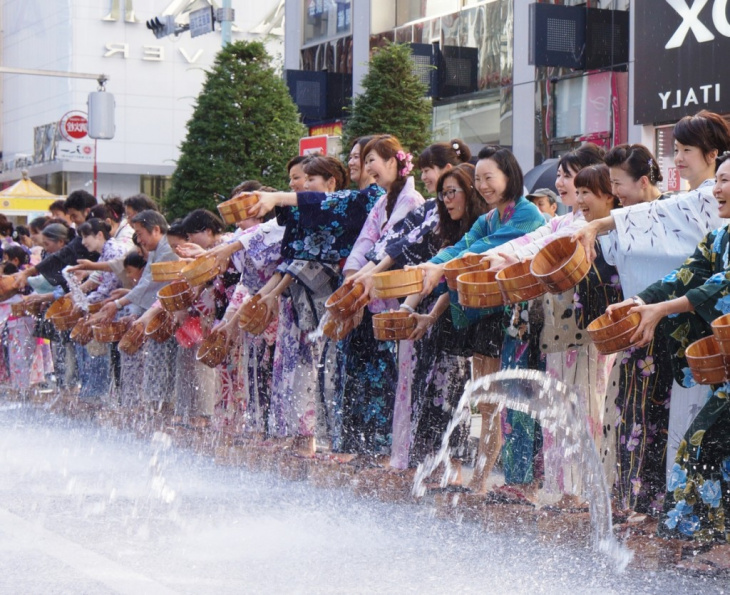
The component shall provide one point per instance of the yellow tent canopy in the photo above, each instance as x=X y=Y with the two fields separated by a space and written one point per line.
x=25 y=198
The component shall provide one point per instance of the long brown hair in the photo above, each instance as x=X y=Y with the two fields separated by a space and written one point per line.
x=387 y=146
x=451 y=231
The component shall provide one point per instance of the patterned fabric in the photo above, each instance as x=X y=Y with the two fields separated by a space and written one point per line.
x=370 y=380
x=412 y=240
x=378 y=224
x=698 y=488
x=327 y=224
x=704 y=279
x=108 y=281
x=521 y=459
x=158 y=382
x=528 y=245
x=294 y=378
x=651 y=239
x=491 y=230
x=439 y=379
x=642 y=410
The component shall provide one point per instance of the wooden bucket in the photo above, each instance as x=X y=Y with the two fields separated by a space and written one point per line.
x=161 y=327
x=201 y=270
x=212 y=352
x=459 y=266
x=61 y=305
x=397 y=284
x=167 y=271
x=82 y=332
x=707 y=364
x=65 y=321
x=176 y=296
x=111 y=332
x=721 y=330
x=235 y=210
x=611 y=335
x=518 y=284
x=254 y=317
x=393 y=326
x=132 y=340
x=341 y=304
x=479 y=290
x=560 y=265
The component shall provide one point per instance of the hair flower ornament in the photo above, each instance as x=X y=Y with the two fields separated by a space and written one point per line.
x=405 y=161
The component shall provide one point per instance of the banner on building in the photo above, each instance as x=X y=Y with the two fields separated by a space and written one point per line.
x=66 y=151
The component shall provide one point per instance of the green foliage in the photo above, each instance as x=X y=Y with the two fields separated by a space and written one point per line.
x=393 y=101
x=244 y=126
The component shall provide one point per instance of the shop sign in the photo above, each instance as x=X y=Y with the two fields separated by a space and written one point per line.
x=679 y=45
x=74 y=126
x=332 y=129
x=66 y=151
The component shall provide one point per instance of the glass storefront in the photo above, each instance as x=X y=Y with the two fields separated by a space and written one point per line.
x=477 y=122
x=326 y=19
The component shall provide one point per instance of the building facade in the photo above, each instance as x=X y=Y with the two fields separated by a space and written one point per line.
x=155 y=83
x=539 y=77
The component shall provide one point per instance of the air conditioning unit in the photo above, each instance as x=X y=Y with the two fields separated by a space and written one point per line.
x=447 y=71
x=578 y=37
x=457 y=71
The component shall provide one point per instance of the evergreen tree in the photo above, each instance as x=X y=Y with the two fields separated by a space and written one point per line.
x=244 y=126
x=393 y=101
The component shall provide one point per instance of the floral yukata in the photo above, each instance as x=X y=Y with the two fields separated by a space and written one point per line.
x=93 y=360
x=698 y=486
x=370 y=369
x=245 y=376
x=320 y=232
x=651 y=239
x=433 y=371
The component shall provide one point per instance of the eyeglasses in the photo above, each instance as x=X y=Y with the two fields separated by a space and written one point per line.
x=450 y=194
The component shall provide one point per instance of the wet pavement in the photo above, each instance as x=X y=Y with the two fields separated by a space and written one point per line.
x=89 y=509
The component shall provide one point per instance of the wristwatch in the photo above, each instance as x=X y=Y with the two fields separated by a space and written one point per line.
x=118 y=304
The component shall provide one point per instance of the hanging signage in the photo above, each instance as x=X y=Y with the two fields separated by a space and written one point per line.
x=66 y=151
x=679 y=49
x=74 y=126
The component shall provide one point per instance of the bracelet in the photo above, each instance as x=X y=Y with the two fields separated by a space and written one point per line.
x=118 y=305
x=407 y=308
x=638 y=301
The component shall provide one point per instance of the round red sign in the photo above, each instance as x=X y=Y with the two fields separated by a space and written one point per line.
x=74 y=126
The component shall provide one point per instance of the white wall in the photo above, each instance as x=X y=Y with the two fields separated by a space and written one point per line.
x=155 y=82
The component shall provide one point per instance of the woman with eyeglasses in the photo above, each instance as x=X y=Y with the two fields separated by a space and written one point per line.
x=422 y=233
x=499 y=181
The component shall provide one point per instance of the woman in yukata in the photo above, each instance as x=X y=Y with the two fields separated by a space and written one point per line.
x=433 y=365
x=244 y=388
x=370 y=372
x=93 y=360
x=650 y=239
x=681 y=307
x=322 y=228
x=499 y=181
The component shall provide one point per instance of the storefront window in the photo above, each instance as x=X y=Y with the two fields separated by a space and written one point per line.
x=155 y=186
x=583 y=105
x=477 y=122
x=326 y=19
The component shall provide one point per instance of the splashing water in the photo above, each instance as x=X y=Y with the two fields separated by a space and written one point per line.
x=559 y=410
x=77 y=296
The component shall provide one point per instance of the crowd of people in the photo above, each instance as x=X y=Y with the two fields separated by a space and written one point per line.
x=663 y=438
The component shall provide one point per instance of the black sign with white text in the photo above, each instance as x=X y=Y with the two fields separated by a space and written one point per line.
x=680 y=52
